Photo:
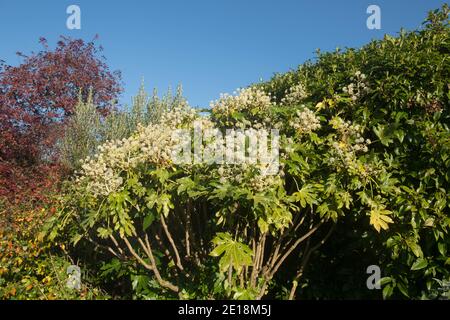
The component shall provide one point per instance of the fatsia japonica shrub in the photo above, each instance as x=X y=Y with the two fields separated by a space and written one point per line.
x=215 y=229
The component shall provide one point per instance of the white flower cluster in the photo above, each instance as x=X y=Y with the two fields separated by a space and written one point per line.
x=244 y=99
x=250 y=162
x=262 y=183
x=294 y=95
x=250 y=175
x=305 y=121
x=179 y=116
x=253 y=101
x=350 y=143
x=152 y=144
x=358 y=87
x=351 y=135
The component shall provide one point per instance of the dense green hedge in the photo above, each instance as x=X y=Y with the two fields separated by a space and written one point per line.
x=407 y=113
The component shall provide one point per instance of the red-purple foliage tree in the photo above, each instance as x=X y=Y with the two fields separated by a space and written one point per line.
x=37 y=97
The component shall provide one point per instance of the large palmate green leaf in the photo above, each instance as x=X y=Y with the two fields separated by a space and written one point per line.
x=234 y=253
x=379 y=218
x=306 y=195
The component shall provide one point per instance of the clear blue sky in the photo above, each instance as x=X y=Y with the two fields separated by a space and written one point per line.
x=210 y=46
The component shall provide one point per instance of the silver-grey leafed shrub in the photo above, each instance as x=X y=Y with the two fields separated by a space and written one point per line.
x=87 y=129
